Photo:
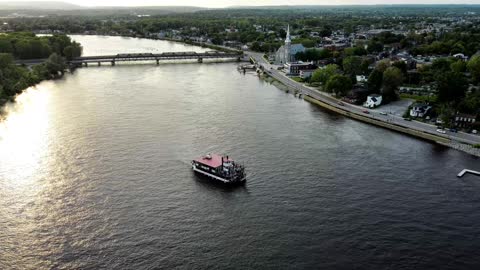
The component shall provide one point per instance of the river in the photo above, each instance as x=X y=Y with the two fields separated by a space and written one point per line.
x=95 y=173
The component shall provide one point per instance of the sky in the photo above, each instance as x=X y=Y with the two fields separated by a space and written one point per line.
x=227 y=3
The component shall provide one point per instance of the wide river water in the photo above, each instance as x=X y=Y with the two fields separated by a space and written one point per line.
x=95 y=173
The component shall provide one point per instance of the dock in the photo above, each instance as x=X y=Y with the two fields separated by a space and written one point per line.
x=467 y=171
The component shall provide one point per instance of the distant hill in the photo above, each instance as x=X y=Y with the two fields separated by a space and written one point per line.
x=38 y=5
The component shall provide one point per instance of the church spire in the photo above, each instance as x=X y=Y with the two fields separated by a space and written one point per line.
x=287 y=39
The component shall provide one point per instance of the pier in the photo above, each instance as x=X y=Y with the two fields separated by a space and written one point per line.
x=462 y=173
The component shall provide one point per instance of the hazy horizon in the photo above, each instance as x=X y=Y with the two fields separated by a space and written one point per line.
x=230 y=3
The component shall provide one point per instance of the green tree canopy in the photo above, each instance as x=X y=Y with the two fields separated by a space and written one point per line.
x=458 y=66
x=55 y=64
x=382 y=65
x=352 y=65
x=323 y=74
x=339 y=84
x=474 y=67
x=375 y=81
x=451 y=87
x=392 y=79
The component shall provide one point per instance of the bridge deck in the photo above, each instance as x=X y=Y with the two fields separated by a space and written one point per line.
x=123 y=57
x=151 y=56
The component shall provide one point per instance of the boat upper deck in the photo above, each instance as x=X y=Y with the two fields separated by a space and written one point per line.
x=214 y=161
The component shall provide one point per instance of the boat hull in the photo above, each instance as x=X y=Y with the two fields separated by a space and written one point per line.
x=218 y=178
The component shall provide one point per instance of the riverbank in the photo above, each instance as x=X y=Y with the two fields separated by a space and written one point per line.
x=332 y=104
x=419 y=134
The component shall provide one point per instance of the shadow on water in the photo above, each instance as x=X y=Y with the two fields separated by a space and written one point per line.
x=208 y=184
x=438 y=149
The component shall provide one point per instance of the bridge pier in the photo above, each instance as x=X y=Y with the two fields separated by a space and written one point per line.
x=99 y=63
x=200 y=60
x=113 y=63
x=85 y=64
x=158 y=61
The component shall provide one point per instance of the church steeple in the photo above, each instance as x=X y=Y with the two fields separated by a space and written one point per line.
x=287 y=39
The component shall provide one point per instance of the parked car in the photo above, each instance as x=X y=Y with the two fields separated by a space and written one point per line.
x=366 y=111
x=407 y=119
x=341 y=103
x=383 y=113
x=453 y=130
x=441 y=131
x=474 y=131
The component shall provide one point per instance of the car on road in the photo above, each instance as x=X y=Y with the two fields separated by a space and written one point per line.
x=440 y=130
x=407 y=119
x=453 y=130
x=341 y=103
x=366 y=111
x=383 y=113
x=474 y=131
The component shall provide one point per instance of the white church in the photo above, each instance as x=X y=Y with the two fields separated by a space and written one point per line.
x=286 y=53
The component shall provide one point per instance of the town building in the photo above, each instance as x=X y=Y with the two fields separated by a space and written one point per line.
x=361 y=79
x=465 y=120
x=286 y=53
x=294 y=68
x=420 y=110
x=373 y=101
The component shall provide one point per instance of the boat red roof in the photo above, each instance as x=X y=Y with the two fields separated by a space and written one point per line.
x=214 y=162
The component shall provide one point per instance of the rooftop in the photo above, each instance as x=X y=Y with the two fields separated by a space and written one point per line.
x=214 y=162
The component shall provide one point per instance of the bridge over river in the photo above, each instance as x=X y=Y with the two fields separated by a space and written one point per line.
x=128 y=57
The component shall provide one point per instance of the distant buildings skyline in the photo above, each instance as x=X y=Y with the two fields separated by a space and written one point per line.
x=230 y=3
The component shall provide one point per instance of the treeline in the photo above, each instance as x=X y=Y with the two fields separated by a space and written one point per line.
x=26 y=45
x=14 y=78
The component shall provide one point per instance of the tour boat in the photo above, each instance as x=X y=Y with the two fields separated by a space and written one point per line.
x=220 y=168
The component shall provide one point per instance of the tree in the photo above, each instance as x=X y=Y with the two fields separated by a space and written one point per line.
x=6 y=60
x=323 y=74
x=392 y=79
x=374 y=46
x=375 y=81
x=471 y=103
x=352 y=65
x=458 y=66
x=402 y=66
x=72 y=51
x=55 y=64
x=382 y=65
x=339 y=84
x=358 y=51
x=446 y=115
x=441 y=65
x=5 y=46
x=256 y=47
x=307 y=43
x=474 y=67
x=452 y=87
x=311 y=55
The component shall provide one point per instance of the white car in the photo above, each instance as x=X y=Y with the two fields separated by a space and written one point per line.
x=383 y=113
x=441 y=131
x=474 y=131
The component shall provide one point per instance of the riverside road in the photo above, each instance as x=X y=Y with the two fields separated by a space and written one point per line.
x=272 y=71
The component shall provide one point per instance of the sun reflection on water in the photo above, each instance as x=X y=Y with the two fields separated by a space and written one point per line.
x=24 y=137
